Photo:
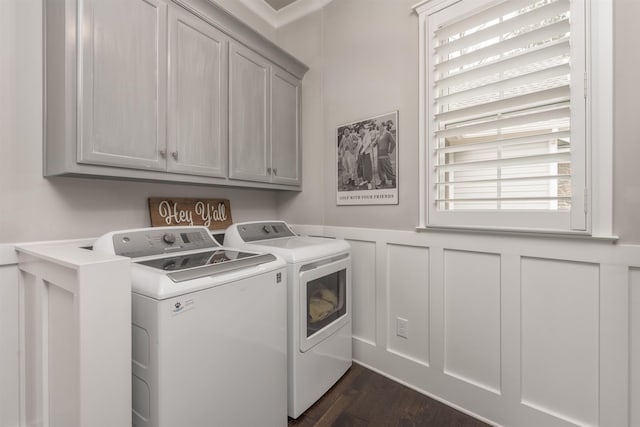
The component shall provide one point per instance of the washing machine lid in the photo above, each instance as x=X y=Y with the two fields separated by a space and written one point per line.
x=158 y=284
x=171 y=261
x=276 y=237
x=193 y=265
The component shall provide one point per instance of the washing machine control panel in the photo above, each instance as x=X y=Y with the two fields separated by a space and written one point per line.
x=161 y=240
x=169 y=238
x=252 y=232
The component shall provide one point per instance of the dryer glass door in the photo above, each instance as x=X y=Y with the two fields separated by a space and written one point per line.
x=325 y=298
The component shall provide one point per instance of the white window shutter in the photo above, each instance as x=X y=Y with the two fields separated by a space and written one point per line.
x=506 y=114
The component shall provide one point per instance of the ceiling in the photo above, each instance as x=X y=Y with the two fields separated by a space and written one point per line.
x=282 y=12
x=279 y=4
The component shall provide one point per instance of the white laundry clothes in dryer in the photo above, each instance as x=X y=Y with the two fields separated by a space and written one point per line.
x=318 y=305
x=208 y=330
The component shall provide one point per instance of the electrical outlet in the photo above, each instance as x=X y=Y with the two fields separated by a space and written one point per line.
x=402 y=327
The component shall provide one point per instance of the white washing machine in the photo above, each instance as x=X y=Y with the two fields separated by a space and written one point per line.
x=209 y=330
x=318 y=305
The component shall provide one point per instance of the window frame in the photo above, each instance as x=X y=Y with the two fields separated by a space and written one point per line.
x=596 y=156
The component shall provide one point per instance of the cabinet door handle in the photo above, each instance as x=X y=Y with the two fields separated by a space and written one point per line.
x=163 y=154
x=275 y=171
x=269 y=171
x=175 y=155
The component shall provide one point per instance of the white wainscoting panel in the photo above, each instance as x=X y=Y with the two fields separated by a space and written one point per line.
x=517 y=330
x=408 y=298
x=64 y=354
x=634 y=354
x=472 y=318
x=61 y=358
x=36 y=313
x=559 y=333
x=77 y=332
x=363 y=304
x=565 y=314
x=9 y=346
x=614 y=345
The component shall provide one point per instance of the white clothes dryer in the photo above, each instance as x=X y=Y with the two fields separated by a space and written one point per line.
x=318 y=305
x=208 y=330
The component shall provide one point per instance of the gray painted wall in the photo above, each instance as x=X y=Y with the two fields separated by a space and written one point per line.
x=626 y=179
x=303 y=40
x=363 y=59
x=370 y=66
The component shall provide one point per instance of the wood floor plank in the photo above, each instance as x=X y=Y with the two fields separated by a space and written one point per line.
x=365 y=398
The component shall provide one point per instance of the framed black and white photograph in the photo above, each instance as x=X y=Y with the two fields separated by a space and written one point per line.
x=367 y=161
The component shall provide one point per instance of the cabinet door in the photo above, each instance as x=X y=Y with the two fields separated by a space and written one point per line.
x=197 y=129
x=248 y=115
x=285 y=128
x=121 y=83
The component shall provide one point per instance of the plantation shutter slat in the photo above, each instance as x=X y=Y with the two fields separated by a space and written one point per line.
x=452 y=28
x=498 y=123
x=501 y=142
x=540 y=75
x=520 y=41
x=532 y=99
x=529 y=18
x=502 y=199
x=511 y=161
x=519 y=179
x=479 y=70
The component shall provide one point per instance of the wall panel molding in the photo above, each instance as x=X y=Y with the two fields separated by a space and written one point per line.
x=10 y=361
x=436 y=308
x=10 y=345
x=472 y=307
x=560 y=338
x=8 y=255
x=24 y=308
x=407 y=289
x=511 y=353
x=614 y=345
x=544 y=290
x=562 y=349
x=634 y=346
x=364 y=292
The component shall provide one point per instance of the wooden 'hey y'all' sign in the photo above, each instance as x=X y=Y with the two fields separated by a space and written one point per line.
x=214 y=214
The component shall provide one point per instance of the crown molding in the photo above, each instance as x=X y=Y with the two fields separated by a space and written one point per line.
x=287 y=14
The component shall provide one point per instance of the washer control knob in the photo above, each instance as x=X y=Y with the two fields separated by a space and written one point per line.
x=169 y=238
x=266 y=229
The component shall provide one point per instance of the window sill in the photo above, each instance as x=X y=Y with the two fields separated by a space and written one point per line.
x=554 y=234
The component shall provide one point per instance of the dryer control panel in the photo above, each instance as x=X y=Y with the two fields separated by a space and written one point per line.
x=255 y=231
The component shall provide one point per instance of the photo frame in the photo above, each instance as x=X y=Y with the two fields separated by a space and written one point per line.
x=367 y=161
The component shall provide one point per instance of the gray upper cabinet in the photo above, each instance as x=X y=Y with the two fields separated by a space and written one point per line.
x=248 y=115
x=285 y=128
x=168 y=90
x=197 y=114
x=122 y=83
x=264 y=118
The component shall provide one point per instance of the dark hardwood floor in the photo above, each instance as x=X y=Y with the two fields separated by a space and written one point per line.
x=365 y=398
